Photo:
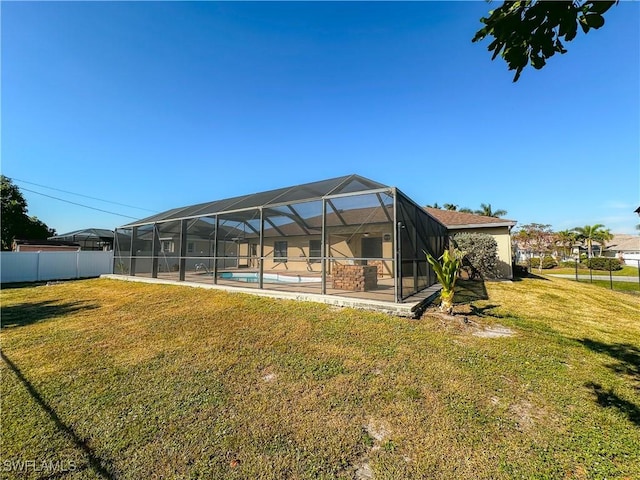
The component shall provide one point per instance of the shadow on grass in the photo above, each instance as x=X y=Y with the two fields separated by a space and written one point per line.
x=626 y=356
x=468 y=291
x=9 y=286
x=27 y=313
x=100 y=466
x=608 y=399
x=627 y=364
x=530 y=276
x=485 y=311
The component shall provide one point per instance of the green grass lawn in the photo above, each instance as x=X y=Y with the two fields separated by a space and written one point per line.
x=627 y=287
x=626 y=271
x=111 y=379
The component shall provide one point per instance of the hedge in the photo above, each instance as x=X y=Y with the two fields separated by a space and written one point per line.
x=603 y=263
x=547 y=262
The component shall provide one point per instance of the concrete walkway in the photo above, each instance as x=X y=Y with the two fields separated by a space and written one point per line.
x=595 y=277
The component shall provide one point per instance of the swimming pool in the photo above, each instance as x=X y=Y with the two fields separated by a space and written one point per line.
x=252 y=277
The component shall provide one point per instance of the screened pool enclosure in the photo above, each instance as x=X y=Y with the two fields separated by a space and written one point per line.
x=346 y=236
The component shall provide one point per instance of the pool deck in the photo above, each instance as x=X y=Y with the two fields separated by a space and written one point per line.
x=380 y=300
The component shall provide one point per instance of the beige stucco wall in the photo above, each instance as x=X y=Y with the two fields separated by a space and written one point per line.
x=340 y=246
x=342 y=241
x=503 y=239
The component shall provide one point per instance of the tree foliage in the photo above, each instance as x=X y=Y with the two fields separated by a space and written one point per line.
x=480 y=252
x=485 y=209
x=532 y=31
x=602 y=237
x=537 y=238
x=454 y=208
x=545 y=262
x=16 y=223
x=590 y=233
x=565 y=239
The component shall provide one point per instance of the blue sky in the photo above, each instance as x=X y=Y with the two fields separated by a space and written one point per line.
x=159 y=105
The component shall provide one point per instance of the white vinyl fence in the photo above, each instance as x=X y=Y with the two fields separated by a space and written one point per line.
x=40 y=266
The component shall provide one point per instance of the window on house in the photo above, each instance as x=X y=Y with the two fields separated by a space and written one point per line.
x=190 y=247
x=315 y=251
x=280 y=251
x=166 y=246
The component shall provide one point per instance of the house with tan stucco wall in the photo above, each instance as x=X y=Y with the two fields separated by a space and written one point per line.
x=498 y=228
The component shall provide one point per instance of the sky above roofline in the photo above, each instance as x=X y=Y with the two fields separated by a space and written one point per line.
x=154 y=105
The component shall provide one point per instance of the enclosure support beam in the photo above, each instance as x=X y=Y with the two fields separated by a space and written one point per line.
x=261 y=253
x=333 y=207
x=384 y=207
x=415 y=249
x=275 y=227
x=299 y=220
x=155 y=251
x=248 y=225
x=132 y=257
x=215 y=250
x=323 y=248
x=397 y=271
x=183 y=248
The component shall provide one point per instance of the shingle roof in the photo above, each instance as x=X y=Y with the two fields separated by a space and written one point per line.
x=456 y=220
x=624 y=243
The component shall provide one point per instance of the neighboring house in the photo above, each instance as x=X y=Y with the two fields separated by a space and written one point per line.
x=498 y=228
x=624 y=247
x=88 y=238
x=44 y=246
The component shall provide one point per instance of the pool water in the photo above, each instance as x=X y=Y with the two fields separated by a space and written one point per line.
x=252 y=277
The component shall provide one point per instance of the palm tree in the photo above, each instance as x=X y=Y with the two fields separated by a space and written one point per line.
x=588 y=234
x=602 y=238
x=485 y=209
x=452 y=207
x=566 y=239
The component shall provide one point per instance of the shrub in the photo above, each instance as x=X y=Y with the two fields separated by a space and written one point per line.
x=571 y=264
x=121 y=268
x=480 y=254
x=603 y=263
x=547 y=262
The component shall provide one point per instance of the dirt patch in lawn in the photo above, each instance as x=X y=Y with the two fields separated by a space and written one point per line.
x=469 y=320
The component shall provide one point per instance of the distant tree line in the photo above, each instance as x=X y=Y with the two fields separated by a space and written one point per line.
x=16 y=223
x=540 y=240
x=485 y=209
